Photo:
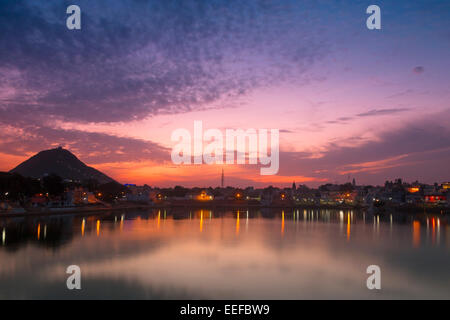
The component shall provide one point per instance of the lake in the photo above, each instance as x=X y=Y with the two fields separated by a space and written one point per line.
x=226 y=254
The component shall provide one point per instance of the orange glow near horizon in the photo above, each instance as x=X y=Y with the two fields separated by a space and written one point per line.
x=373 y=166
x=9 y=162
x=193 y=175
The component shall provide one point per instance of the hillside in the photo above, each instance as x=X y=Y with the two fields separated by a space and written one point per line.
x=62 y=163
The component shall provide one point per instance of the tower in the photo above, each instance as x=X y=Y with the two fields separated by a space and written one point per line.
x=223 y=179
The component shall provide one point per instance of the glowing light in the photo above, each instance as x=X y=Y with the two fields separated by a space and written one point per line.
x=201 y=220
x=438 y=232
x=416 y=234
x=39 y=231
x=158 y=221
x=246 y=222
x=204 y=197
x=282 y=223
x=98 y=228
x=237 y=223
x=348 y=227
x=3 y=236
x=83 y=225
x=433 y=231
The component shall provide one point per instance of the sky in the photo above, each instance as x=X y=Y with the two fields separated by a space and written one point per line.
x=349 y=102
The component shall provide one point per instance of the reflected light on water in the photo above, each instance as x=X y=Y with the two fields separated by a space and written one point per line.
x=201 y=220
x=158 y=224
x=438 y=231
x=237 y=223
x=433 y=232
x=317 y=257
x=246 y=222
x=98 y=228
x=83 y=225
x=348 y=227
x=416 y=234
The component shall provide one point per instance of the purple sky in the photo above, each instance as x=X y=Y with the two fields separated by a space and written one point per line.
x=349 y=102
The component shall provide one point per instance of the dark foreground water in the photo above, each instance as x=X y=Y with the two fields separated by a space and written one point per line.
x=167 y=254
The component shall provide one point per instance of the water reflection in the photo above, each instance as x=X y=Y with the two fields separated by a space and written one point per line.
x=83 y=226
x=204 y=253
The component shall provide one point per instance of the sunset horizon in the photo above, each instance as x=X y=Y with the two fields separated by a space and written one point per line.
x=369 y=104
x=218 y=170
x=232 y=157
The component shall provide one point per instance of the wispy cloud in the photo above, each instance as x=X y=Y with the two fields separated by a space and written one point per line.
x=91 y=147
x=139 y=58
x=382 y=112
x=366 y=114
x=419 y=70
x=416 y=149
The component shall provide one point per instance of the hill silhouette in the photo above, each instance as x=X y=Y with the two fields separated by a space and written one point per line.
x=61 y=162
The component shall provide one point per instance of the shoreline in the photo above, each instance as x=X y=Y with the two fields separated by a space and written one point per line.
x=76 y=210
x=202 y=205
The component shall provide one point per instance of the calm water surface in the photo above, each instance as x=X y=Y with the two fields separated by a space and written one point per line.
x=182 y=254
